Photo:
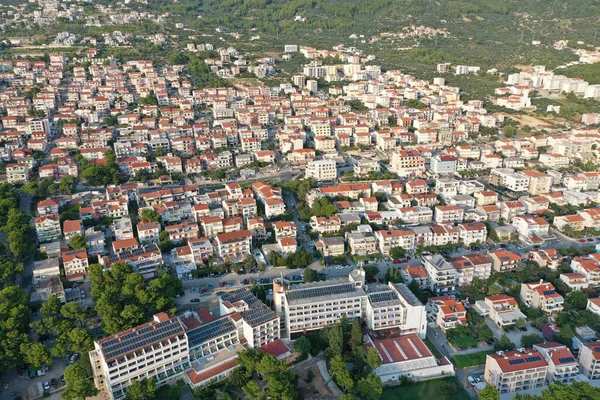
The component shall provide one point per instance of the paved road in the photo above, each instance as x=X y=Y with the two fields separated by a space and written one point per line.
x=461 y=374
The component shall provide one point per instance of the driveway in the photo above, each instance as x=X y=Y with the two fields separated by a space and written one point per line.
x=514 y=334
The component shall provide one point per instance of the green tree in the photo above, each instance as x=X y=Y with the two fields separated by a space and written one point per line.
x=393 y=275
x=565 y=335
x=371 y=272
x=302 y=345
x=356 y=336
x=67 y=184
x=397 y=252
x=373 y=360
x=504 y=344
x=335 y=337
x=8 y=269
x=323 y=208
x=79 y=384
x=310 y=275
x=144 y=389
x=73 y=312
x=80 y=340
x=577 y=300
x=576 y=390
x=238 y=377
x=370 y=388
x=77 y=241
x=528 y=341
x=521 y=323
x=249 y=359
x=341 y=374
x=252 y=390
x=36 y=354
x=149 y=215
x=489 y=392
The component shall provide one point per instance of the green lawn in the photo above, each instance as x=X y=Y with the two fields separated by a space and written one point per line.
x=470 y=360
x=428 y=390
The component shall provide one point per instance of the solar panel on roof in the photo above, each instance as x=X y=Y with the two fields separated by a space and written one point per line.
x=209 y=331
x=139 y=338
x=320 y=291
x=517 y=361
x=534 y=358
x=380 y=297
x=566 y=360
x=549 y=292
x=259 y=315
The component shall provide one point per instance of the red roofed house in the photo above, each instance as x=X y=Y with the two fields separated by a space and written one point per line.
x=72 y=228
x=562 y=366
x=504 y=260
x=512 y=371
x=75 y=263
x=500 y=308
x=542 y=295
x=446 y=312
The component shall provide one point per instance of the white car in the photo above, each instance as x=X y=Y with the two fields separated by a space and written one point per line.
x=471 y=380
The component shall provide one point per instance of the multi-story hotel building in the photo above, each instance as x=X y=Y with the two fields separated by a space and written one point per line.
x=395 y=308
x=321 y=304
x=317 y=305
x=259 y=324
x=516 y=370
x=157 y=349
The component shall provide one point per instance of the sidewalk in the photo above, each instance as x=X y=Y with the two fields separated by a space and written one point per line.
x=330 y=383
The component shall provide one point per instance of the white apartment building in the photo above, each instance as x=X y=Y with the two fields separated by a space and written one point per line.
x=259 y=324
x=321 y=170
x=158 y=349
x=448 y=214
x=562 y=366
x=508 y=178
x=516 y=370
x=75 y=263
x=500 y=308
x=441 y=274
x=395 y=307
x=233 y=245
x=542 y=295
x=388 y=239
x=148 y=232
x=47 y=228
x=317 y=305
x=589 y=360
x=17 y=172
x=472 y=232
x=407 y=163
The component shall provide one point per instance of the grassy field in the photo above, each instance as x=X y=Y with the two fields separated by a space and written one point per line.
x=427 y=390
x=470 y=360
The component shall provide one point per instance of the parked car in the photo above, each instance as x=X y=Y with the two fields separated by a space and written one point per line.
x=582 y=240
x=53 y=382
x=82 y=293
x=471 y=380
x=195 y=301
x=396 y=262
x=46 y=385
